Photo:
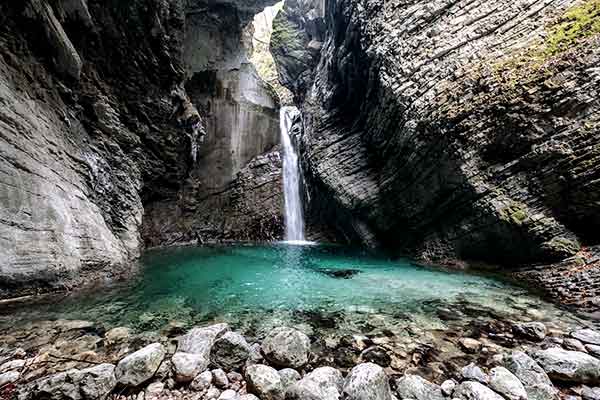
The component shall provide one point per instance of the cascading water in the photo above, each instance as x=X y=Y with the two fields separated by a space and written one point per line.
x=294 y=220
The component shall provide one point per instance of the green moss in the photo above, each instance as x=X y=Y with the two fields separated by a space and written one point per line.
x=563 y=246
x=577 y=23
x=285 y=34
x=515 y=213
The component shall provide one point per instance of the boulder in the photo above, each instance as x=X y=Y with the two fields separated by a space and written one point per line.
x=186 y=366
x=536 y=382
x=117 y=336
x=367 y=381
x=448 y=387
x=264 y=382
x=569 y=366
x=504 y=382
x=413 y=387
x=288 y=377
x=220 y=378
x=201 y=340
x=470 y=345
x=475 y=391
x=588 y=336
x=324 y=383
x=202 y=382
x=140 y=366
x=230 y=351
x=286 y=347
x=534 y=331
x=472 y=372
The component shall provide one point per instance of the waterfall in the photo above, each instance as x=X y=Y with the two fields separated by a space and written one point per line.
x=294 y=220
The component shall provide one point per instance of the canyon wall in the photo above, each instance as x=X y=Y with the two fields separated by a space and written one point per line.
x=450 y=130
x=97 y=124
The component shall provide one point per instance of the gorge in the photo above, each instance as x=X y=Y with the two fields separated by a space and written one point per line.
x=405 y=190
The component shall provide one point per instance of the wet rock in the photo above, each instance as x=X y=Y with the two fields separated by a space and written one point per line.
x=264 y=382
x=187 y=366
x=574 y=345
x=448 y=387
x=202 y=382
x=201 y=340
x=534 y=331
x=413 y=387
x=470 y=345
x=536 y=382
x=367 y=381
x=286 y=347
x=230 y=351
x=475 y=391
x=570 y=366
x=340 y=273
x=508 y=385
x=376 y=355
x=140 y=366
x=288 y=377
x=587 y=336
x=220 y=378
x=324 y=383
x=117 y=335
x=593 y=350
x=474 y=373
x=229 y=395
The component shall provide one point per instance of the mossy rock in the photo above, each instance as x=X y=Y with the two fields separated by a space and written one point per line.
x=562 y=246
x=515 y=213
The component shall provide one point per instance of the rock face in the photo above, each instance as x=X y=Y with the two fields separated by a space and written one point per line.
x=102 y=144
x=417 y=136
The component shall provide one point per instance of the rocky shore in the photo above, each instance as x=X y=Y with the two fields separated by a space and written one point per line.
x=214 y=362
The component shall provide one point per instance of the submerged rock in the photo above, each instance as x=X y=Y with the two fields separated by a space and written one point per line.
x=507 y=384
x=367 y=381
x=140 y=366
x=475 y=391
x=286 y=347
x=230 y=351
x=324 y=383
x=413 y=387
x=470 y=345
x=570 y=366
x=187 y=366
x=536 y=382
x=340 y=273
x=264 y=382
x=535 y=331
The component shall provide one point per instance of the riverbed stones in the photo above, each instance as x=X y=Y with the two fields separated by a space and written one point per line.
x=475 y=391
x=288 y=377
x=367 y=381
x=324 y=383
x=202 y=382
x=473 y=373
x=230 y=351
x=264 y=382
x=220 y=378
x=587 y=336
x=448 y=387
x=536 y=382
x=507 y=384
x=573 y=345
x=414 y=387
x=201 y=340
x=117 y=335
x=186 y=366
x=593 y=350
x=534 y=331
x=140 y=366
x=9 y=377
x=569 y=366
x=286 y=347
x=228 y=395
x=470 y=345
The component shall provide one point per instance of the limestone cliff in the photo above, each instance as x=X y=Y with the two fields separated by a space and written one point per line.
x=97 y=124
x=450 y=129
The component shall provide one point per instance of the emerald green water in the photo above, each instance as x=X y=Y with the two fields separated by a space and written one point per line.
x=256 y=287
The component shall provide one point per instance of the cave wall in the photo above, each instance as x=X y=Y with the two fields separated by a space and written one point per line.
x=98 y=134
x=449 y=130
